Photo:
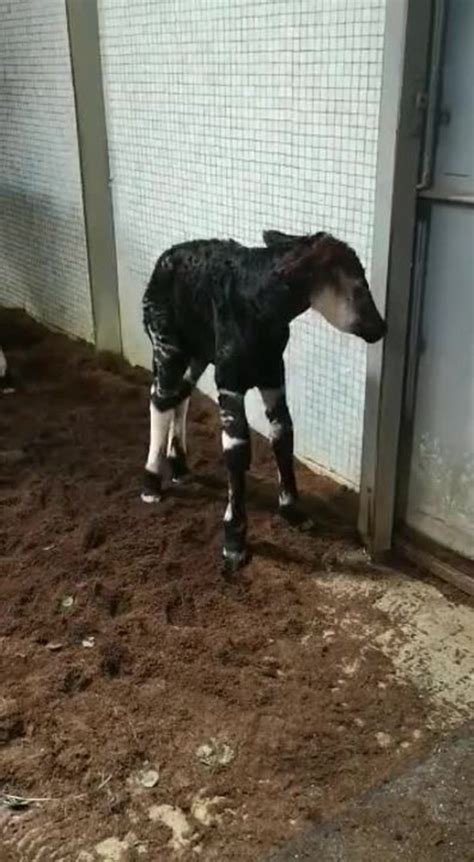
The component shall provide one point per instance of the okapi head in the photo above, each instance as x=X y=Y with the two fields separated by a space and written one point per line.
x=334 y=277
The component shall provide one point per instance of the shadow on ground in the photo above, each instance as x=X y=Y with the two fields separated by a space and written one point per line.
x=424 y=815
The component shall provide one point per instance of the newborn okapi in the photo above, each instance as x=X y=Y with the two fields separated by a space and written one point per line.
x=214 y=301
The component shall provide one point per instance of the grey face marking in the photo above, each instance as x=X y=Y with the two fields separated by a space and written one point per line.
x=347 y=304
x=337 y=306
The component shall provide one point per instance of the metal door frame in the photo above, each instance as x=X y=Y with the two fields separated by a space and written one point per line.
x=429 y=192
x=406 y=123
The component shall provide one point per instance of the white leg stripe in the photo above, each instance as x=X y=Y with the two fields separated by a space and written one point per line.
x=159 y=429
x=285 y=499
x=276 y=429
x=149 y=498
x=229 y=442
x=3 y=364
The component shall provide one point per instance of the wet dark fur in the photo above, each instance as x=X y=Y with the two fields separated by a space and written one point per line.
x=216 y=301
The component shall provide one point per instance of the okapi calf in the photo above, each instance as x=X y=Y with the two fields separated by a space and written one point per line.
x=214 y=301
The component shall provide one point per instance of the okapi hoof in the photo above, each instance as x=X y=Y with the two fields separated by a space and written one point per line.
x=233 y=561
x=294 y=515
x=151 y=488
x=7 y=385
x=179 y=469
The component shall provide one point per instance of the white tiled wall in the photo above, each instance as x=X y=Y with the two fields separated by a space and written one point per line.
x=43 y=261
x=229 y=116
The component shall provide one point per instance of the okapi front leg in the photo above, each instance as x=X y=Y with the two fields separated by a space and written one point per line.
x=281 y=436
x=236 y=446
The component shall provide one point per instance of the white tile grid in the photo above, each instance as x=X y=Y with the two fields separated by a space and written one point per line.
x=43 y=258
x=228 y=116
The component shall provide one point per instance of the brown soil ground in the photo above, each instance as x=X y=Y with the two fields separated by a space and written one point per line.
x=176 y=655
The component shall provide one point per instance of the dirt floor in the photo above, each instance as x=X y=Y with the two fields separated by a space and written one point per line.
x=150 y=709
x=429 y=809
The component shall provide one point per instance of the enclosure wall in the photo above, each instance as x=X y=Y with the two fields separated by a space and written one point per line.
x=228 y=117
x=43 y=257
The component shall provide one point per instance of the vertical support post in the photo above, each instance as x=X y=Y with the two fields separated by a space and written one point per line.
x=83 y=27
x=402 y=114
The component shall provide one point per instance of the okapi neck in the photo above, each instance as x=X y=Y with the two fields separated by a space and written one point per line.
x=299 y=300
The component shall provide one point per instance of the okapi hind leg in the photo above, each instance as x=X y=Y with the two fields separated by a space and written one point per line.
x=237 y=455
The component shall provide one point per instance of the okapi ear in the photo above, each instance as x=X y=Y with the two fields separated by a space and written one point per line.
x=304 y=255
x=273 y=238
x=296 y=260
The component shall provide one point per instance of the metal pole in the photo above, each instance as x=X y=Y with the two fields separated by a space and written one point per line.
x=83 y=26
